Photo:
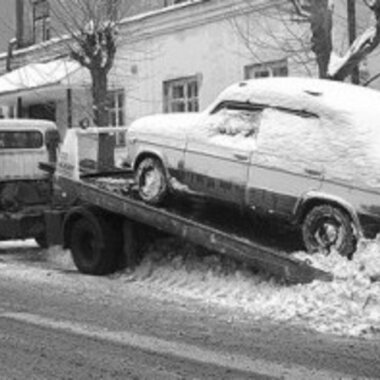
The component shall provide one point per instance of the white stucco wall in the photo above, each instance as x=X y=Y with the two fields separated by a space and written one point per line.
x=205 y=41
x=203 y=38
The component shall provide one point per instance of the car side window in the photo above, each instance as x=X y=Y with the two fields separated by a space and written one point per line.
x=292 y=135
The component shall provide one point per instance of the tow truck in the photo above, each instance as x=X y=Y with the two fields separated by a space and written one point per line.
x=99 y=217
x=25 y=191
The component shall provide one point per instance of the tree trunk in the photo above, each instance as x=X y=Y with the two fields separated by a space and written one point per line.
x=99 y=97
x=321 y=29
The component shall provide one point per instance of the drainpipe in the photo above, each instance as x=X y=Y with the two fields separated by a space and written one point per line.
x=11 y=45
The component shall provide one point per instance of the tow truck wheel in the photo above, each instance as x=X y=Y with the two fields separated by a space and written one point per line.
x=327 y=228
x=151 y=181
x=94 y=246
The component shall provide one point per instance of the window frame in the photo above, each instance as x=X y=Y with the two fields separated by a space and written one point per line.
x=270 y=67
x=41 y=16
x=189 y=99
x=116 y=107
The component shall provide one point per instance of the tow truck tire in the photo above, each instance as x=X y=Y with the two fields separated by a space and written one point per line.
x=325 y=228
x=94 y=246
x=151 y=181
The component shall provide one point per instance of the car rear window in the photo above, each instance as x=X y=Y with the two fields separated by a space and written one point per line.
x=21 y=140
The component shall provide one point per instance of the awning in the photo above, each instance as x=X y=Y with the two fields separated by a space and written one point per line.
x=38 y=76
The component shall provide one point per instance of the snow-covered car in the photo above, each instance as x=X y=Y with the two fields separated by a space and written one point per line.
x=305 y=150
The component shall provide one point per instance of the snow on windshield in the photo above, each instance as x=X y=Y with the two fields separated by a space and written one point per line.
x=235 y=122
x=230 y=128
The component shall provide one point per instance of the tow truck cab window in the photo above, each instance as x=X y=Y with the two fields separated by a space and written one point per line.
x=28 y=141
x=21 y=139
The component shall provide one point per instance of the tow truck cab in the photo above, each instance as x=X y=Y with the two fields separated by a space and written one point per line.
x=24 y=144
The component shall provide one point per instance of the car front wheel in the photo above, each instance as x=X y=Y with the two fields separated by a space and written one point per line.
x=151 y=181
x=327 y=228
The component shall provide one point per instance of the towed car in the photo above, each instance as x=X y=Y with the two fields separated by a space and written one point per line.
x=302 y=150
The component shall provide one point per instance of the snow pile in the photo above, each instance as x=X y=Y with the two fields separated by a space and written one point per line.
x=59 y=258
x=349 y=305
x=28 y=250
x=365 y=263
x=40 y=74
x=174 y=269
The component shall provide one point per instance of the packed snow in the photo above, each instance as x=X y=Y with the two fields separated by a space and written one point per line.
x=173 y=269
x=349 y=305
x=36 y=75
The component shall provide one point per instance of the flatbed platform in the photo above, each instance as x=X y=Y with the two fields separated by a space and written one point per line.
x=197 y=224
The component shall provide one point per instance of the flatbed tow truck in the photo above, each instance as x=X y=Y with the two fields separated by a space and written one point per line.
x=98 y=216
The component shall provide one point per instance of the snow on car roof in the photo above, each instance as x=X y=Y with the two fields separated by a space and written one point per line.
x=313 y=95
x=165 y=124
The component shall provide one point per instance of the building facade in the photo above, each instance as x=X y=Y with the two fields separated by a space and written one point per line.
x=172 y=56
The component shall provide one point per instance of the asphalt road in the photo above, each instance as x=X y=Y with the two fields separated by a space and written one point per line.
x=58 y=324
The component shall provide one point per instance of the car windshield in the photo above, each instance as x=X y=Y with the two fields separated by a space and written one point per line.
x=233 y=122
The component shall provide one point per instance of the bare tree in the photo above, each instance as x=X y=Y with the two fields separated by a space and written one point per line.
x=92 y=26
x=293 y=18
x=319 y=13
x=273 y=32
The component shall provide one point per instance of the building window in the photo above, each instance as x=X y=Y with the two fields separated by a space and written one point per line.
x=41 y=21
x=268 y=69
x=168 y=3
x=181 y=95
x=116 y=109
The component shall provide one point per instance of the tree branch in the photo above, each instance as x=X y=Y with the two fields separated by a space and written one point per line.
x=360 y=48
x=299 y=9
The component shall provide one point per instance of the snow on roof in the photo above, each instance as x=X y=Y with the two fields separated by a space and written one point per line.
x=165 y=124
x=36 y=75
x=22 y=124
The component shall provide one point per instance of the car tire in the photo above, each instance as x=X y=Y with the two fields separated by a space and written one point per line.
x=94 y=246
x=151 y=181
x=327 y=228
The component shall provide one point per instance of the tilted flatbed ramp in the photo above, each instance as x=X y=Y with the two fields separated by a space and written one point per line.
x=278 y=263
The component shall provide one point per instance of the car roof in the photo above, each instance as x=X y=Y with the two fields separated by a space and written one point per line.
x=312 y=95
x=22 y=124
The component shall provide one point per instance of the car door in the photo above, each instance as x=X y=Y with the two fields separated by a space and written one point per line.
x=289 y=161
x=218 y=153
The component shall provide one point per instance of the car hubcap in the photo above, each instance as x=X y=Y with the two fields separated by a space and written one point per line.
x=328 y=234
x=151 y=182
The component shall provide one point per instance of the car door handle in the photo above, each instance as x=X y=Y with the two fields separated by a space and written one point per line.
x=313 y=172
x=241 y=157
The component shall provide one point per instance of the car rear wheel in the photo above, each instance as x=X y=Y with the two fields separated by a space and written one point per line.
x=151 y=181
x=327 y=228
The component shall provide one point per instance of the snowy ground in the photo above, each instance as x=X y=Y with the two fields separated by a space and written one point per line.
x=172 y=269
